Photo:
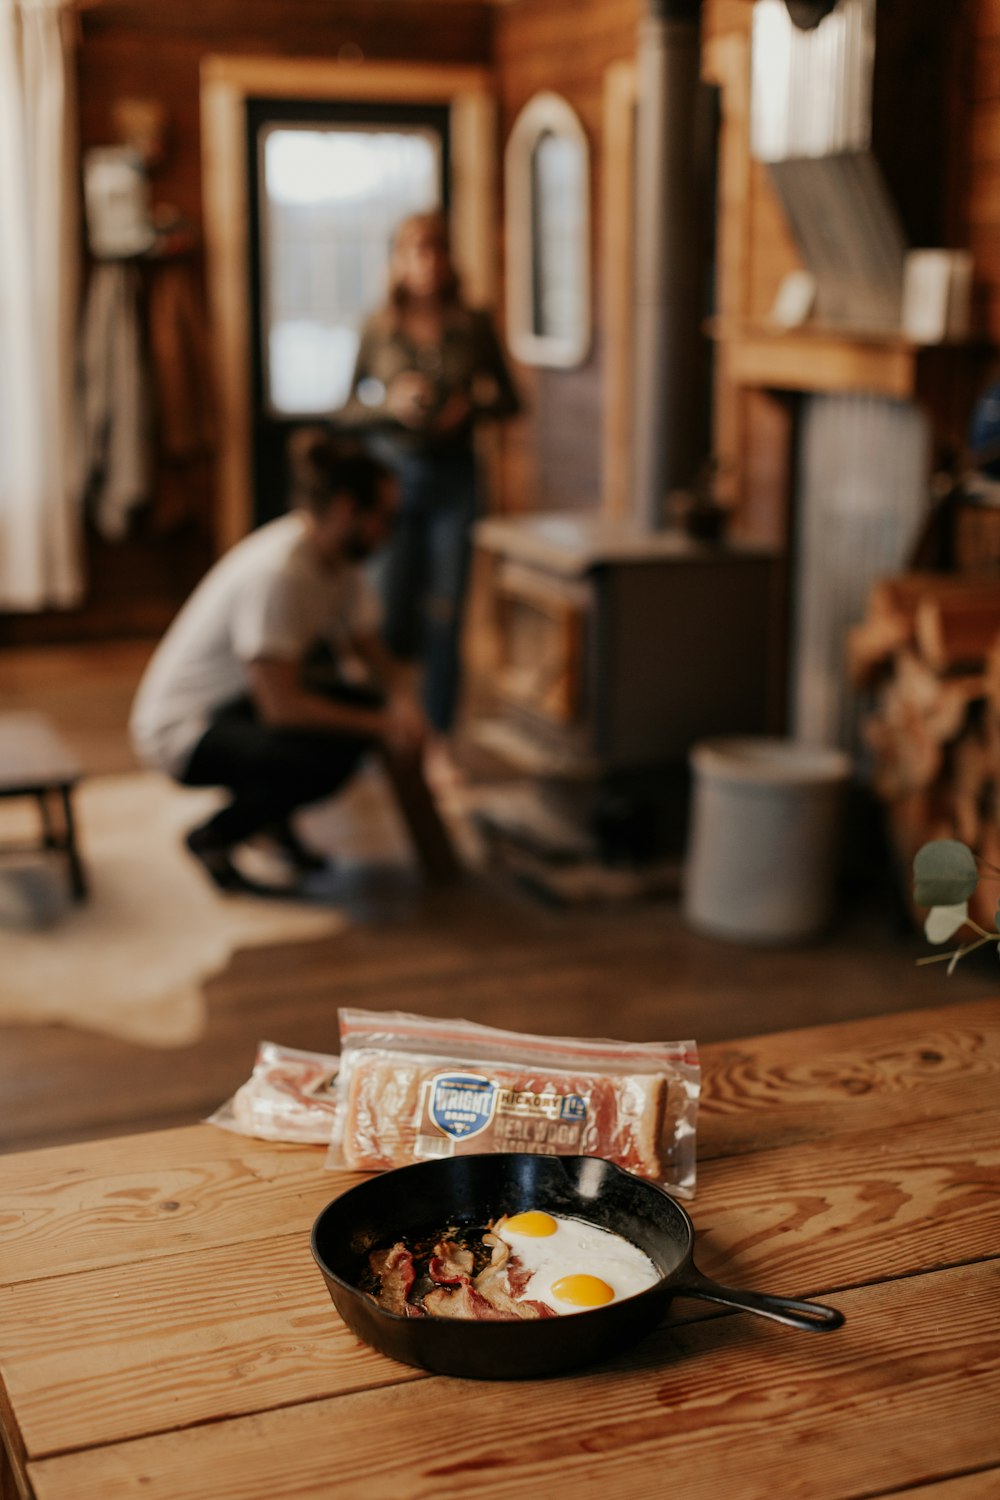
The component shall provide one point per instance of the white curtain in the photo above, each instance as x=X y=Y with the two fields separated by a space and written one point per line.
x=40 y=540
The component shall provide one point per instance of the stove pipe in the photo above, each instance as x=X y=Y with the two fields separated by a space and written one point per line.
x=667 y=304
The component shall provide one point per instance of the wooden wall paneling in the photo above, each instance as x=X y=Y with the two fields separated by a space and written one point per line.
x=984 y=198
x=726 y=63
x=985 y=134
x=986 y=20
x=435 y=30
x=555 y=456
x=227 y=82
x=768 y=460
x=475 y=190
x=618 y=285
x=719 y=17
x=131 y=48
x=227 y=225
x=752 y=432
x=985 y=71
x=916 y=127
x=979 y=212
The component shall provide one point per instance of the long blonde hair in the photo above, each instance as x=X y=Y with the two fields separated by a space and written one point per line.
x=434 y=224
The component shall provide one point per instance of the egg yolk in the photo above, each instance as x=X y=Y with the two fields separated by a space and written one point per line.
x=533 y=1224
x=583 y=1291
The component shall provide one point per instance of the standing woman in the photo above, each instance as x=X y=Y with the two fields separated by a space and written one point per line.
x=429 y=368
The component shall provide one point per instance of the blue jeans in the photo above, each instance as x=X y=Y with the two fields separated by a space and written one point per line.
x=423 y=572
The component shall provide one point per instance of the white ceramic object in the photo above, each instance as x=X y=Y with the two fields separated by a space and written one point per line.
x=764 y=838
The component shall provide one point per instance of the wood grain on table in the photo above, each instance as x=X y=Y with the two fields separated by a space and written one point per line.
x=735 y=1382
x=165 y=1333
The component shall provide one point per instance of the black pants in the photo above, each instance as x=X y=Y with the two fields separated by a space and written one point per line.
x=270 y=771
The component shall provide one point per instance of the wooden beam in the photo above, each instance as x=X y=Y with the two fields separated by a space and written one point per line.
x=617 y=285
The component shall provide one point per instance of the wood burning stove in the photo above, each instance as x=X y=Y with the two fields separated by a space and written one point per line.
x=614 y=649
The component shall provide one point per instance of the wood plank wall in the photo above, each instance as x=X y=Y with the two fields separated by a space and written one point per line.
x=936 y=74
x=552 y=455
x=954 y=86
x=981 y=180
x=134 y=47
x=145 y=49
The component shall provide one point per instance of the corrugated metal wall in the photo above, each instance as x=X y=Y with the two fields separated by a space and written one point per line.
x=862 y=495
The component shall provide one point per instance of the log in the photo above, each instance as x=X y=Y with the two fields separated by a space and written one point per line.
x=919 y=715
x=930 y=643
x=991 y=679
x=872 y=646
x=956 y=633
x=901 y=593
x=906 y=759
x=890 y=624
x=971 y=776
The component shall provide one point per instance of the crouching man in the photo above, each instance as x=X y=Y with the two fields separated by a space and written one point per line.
x=227 y=699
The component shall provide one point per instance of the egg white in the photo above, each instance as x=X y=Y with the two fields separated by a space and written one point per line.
x=578 y=1248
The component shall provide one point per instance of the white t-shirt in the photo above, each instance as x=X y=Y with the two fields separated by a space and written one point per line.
x=272 y=596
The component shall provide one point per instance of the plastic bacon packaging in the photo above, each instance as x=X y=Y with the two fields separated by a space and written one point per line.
x=412 y=1088
x=288 y=1097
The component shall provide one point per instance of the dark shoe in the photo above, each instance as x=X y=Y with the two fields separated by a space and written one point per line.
x=303 y=859
x=218 y=865
x=215 y=861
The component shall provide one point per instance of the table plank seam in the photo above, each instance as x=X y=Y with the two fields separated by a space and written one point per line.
x=236 y=1416
x=705 y=1315
x=909 y=1489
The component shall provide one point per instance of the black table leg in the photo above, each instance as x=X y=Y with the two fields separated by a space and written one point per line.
x=78 y=879
x=49 y=836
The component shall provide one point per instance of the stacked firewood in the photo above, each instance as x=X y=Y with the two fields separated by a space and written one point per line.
x=928 y=654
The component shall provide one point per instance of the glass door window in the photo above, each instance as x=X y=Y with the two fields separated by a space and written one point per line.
x=330 y=198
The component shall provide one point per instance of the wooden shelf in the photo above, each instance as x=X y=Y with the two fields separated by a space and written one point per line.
x=830 y=360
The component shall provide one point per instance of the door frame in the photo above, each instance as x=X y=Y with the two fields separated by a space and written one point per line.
x=226 y=84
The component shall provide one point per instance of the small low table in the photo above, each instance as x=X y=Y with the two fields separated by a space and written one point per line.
x=34 y=762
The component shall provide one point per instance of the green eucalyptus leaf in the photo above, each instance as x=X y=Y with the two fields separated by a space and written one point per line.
x=944 y=873
x=944 y=921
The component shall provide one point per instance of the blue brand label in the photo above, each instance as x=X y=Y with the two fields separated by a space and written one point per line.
x=461 y=1104
x=574 y=1107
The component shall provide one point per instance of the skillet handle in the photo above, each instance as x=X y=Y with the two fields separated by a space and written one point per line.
x=812 y=1316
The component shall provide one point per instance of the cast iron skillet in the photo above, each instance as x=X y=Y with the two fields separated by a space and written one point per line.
x=412 y=1203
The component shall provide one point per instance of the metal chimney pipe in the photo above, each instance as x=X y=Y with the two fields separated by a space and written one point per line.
x=667 y=308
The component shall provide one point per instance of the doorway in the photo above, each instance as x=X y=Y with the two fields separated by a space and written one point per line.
x=464 y=97
x=328 y=181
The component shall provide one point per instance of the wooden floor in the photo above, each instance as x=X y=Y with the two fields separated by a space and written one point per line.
x=488 y=950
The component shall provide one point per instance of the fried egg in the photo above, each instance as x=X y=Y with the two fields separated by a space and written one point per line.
x=573 y=1265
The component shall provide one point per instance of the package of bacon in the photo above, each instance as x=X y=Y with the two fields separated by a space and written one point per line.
x=412 y=1088
x=288 y=1097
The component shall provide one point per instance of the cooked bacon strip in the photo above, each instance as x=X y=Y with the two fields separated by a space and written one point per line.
x=505 y=1268
x=504 y=1279
x=396 y=1273
x=462 y=1301
x=488 y=1298
x=450 y=1263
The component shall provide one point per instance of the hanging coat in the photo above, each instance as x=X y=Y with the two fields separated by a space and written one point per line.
x=115 y=447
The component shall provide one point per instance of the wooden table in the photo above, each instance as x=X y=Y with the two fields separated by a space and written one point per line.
x=164 y=1332
x=34 y=762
